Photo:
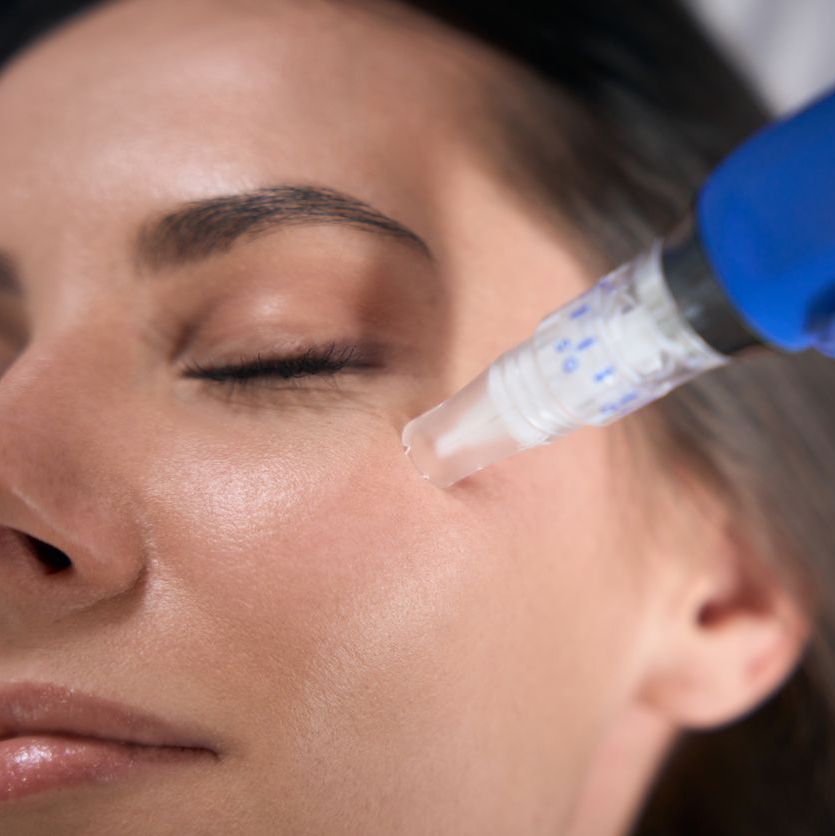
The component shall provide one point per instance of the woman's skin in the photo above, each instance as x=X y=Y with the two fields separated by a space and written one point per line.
x=262 y=566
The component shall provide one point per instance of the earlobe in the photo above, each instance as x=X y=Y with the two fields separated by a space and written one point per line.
x=739 y=634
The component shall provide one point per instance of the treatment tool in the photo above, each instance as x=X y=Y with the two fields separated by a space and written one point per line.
x=753 y=265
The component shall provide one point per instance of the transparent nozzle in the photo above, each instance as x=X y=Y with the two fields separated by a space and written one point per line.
x=618 y=347
x=463 y=435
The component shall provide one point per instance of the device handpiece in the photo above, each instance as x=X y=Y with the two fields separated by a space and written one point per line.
x=753 y=265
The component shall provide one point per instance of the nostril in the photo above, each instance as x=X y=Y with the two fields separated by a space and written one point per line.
x=52 y=559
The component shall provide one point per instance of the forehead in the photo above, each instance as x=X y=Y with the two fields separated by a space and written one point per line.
x=152 y=99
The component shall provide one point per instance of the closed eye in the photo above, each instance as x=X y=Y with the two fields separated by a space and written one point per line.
x=313 y=361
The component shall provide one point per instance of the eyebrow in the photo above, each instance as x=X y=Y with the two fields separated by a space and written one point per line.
x=205 y=228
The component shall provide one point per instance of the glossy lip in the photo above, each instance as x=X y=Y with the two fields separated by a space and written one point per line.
x=53 y=737
x=28 y=709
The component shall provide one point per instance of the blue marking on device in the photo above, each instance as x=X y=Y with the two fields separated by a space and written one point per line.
x=588 y=342
x=580 y=312
x=563 y=345
x=604 y=374
x=571 y=365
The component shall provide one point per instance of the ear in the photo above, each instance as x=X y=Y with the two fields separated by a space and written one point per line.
x=735 y=629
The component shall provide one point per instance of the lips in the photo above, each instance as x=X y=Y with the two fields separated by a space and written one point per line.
x=52 y=737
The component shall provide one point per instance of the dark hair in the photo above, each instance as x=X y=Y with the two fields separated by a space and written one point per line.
x=625 y=109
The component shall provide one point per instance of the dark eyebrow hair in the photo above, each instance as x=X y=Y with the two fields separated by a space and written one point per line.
x=204 y=228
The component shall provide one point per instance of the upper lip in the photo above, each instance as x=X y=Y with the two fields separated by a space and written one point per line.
x=29 y=708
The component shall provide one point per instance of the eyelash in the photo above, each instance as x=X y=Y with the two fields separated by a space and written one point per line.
x=326 y=361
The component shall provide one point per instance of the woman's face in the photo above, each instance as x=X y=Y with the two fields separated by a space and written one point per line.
x=257 y=562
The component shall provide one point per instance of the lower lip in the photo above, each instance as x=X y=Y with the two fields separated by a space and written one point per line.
x=38 y=763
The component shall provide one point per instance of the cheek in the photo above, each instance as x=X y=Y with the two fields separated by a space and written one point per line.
x=301 y=547
x=355 y=615
x=323 y=584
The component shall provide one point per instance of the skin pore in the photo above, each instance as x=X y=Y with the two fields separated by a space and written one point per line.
x=363 y=652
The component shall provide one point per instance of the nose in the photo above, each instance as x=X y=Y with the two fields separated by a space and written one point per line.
x=70 y=534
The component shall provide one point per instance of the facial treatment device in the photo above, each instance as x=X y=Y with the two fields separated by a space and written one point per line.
x=754 y=265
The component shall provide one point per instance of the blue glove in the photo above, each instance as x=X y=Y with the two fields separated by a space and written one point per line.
x=767 y=221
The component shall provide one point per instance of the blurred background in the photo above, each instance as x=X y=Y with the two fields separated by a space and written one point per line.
x=785 y=47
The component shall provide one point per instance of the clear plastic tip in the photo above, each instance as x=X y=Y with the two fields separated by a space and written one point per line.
x=618 y=347
x=465 y=433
